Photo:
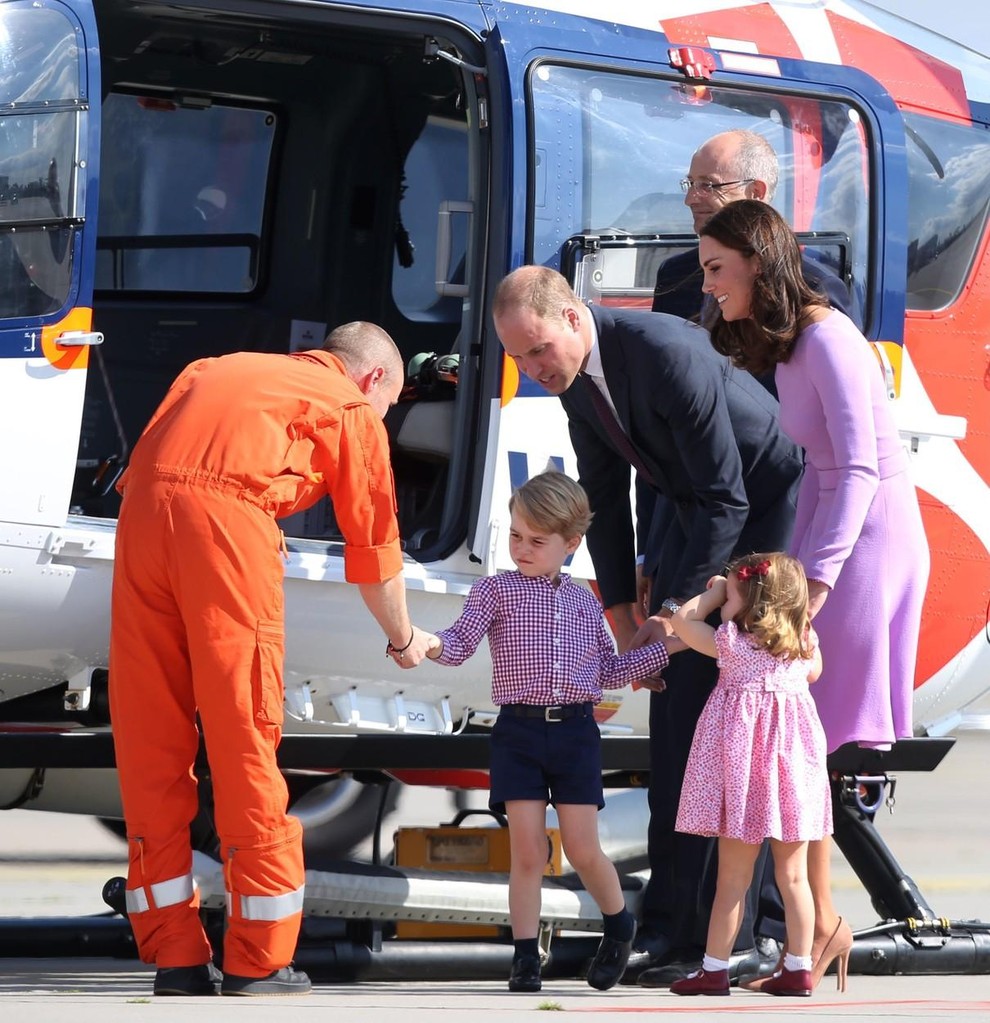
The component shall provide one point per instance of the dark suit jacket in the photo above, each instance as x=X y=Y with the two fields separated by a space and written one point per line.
x=680 y=279
x=678 y=288
x=706 y=432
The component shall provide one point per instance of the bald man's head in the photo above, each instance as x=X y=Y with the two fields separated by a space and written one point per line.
x=739 y=164
x=371 y=360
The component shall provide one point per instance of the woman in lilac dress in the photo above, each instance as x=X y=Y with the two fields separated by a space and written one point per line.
x=858 y=531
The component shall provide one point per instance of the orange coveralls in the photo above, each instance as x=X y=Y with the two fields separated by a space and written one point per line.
x=198 y=626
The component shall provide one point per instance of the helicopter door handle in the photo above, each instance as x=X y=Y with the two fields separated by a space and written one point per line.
x=79 y=338
x=445 y=244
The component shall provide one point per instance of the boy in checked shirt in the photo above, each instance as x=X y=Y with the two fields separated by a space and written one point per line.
x=551 y=658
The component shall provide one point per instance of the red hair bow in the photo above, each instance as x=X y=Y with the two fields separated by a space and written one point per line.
x=751 y=571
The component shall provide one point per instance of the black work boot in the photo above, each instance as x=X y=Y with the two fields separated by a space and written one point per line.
x=187 y=980
x=279 y=982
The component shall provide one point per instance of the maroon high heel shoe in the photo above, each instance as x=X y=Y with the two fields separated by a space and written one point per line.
x=789 y=982
x=838 y=946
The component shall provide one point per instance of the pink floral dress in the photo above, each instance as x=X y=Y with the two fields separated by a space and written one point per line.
x=757 y=764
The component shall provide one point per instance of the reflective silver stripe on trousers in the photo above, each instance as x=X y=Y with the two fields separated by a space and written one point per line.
x=268 y=907
x=164 y=893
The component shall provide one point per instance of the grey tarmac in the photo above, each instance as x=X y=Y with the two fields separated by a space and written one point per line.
x=54 y=865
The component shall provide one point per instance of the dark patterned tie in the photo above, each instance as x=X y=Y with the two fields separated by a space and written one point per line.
x=614 y=429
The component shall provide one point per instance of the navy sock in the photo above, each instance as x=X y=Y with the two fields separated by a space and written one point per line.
x=526 y=947
x=619 y=926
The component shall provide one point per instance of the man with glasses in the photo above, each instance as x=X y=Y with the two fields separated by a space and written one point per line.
x=733 y=165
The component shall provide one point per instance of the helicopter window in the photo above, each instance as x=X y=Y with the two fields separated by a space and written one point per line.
x=948 y=201
x=41 y=196
x=436 y=169
x=183 y=194
x=39 y=58
x=625 y=141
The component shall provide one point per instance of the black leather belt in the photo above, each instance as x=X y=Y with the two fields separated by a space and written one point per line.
x=532 y=710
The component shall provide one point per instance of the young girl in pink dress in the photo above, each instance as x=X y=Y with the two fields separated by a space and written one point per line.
x=757 y=764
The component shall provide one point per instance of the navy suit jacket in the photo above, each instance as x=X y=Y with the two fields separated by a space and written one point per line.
x=708 y=435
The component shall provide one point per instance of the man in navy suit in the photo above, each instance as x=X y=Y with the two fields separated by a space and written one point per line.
x=647 y=391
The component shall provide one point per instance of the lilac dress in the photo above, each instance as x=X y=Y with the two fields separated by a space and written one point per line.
x=756 y=768
x=858 y=529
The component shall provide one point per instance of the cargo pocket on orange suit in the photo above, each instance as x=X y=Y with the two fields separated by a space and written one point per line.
x=268 y=690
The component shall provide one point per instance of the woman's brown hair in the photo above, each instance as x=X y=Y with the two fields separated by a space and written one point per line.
x=780 y=292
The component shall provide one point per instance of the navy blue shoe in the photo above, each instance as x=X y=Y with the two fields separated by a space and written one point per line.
x=649 y=949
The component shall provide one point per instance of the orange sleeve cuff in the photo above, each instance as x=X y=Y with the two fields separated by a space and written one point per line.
x=372 y=564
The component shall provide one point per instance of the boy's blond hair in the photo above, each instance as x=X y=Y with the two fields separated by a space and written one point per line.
x=774 y=590
x=553 y=503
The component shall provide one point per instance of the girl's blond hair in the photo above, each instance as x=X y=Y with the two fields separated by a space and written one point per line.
x=774 y=592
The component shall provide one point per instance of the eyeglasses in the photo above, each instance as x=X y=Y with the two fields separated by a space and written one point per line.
x=710 y=187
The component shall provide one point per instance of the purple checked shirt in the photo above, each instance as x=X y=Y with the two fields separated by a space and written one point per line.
x=548 y=642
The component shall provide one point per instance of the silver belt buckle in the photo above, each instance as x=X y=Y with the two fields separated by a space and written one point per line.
x=546 y=715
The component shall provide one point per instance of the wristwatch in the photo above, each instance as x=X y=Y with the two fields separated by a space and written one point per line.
x=670 y=605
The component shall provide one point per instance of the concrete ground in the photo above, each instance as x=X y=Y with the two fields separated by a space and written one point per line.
x=53 y=866
x=97 y=990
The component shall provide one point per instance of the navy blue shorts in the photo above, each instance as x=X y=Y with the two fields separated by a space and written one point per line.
x=550 y=761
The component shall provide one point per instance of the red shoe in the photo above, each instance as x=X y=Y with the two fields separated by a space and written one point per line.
x=702 y=983
x=789 y=982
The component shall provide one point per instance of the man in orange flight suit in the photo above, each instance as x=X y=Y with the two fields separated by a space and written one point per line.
x=198 y=627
